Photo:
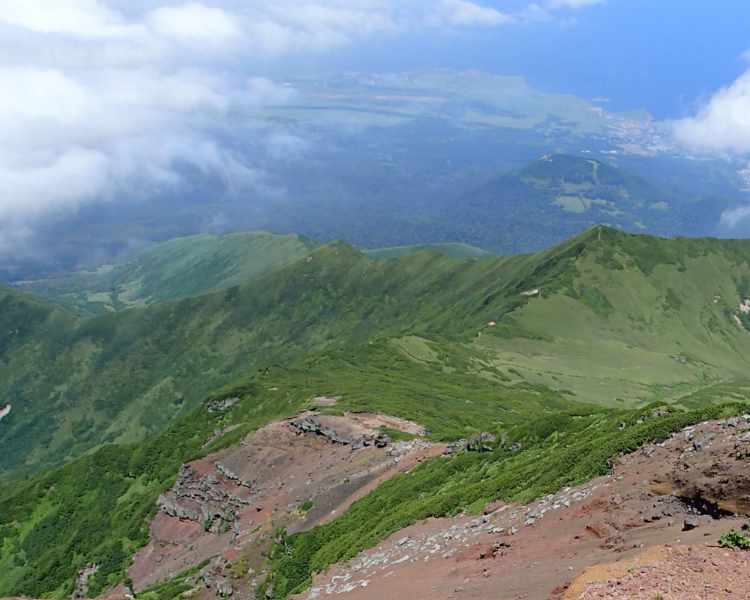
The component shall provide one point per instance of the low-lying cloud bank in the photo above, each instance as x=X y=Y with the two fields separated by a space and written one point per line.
x=106 y=99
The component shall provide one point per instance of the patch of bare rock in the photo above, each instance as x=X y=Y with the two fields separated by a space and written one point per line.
x=295 y=474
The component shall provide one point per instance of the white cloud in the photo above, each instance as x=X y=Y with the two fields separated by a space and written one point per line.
x=460 y=13
x=723 y=123
x=734 y=217
x=74 y=17
x=573 y=4
x=194 y=22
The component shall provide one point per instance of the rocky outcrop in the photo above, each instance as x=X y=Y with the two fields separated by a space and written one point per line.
x=203 y=500
x=231 y=476
x=483 y=442
x=82 y=581
x=312 y=424
x=711 y=474
x=223 y=405
x=214 y=579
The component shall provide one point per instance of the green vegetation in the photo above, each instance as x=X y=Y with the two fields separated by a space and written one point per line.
x=618 y=320
x=448 y=249
x=559 y=195
x=179 y=268
x=736 y=540
x=555 y=451
x=97 y=509
x=119 y=377
x=172 y=588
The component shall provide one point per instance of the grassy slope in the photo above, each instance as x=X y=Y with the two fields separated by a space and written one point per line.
x=621 y=320
x=455 y=250
x=97 y=508
x=644 y=319
x=117 y=377
x=187 y=266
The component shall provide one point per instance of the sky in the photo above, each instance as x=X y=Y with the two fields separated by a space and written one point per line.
x=109 y=97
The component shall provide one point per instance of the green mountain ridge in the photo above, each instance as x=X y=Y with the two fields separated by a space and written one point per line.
x=668 y=308
x=453 y=249
x=196 y=265
x=178 y=268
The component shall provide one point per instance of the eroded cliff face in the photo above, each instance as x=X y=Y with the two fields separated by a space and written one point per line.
x=293 y=474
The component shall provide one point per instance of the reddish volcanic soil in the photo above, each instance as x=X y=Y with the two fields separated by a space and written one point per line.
x=648 y=530
x=229 y=504
x=674 y=496
x=671 y=573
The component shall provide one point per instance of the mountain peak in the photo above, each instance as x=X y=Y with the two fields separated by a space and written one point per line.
x=573 y=170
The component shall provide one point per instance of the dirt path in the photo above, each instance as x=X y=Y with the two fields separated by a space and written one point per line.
x=676 y=493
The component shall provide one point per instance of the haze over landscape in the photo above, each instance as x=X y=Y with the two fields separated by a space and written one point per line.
x=374 y=299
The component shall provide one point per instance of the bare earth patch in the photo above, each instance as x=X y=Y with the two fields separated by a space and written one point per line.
x=226 y=507
x=680 y=493
x=670 y=573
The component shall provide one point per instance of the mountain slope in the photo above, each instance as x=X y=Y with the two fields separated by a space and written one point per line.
x=117 y=377
x=640 y=319
x=559 y=195
x=668 y=309
x=178 y=268
x=455 y=250
x=558 y=354
x=97 y=509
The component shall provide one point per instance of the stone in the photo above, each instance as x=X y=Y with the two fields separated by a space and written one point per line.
x=312 y=424
x=223 y=405
x=201 y=500
x=82 y=581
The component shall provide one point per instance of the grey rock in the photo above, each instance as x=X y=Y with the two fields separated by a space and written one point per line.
x=312 y=424
x=484 y=442
x=691 y=523
x=201 y=500
x=82 y=581
x=223 y=405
